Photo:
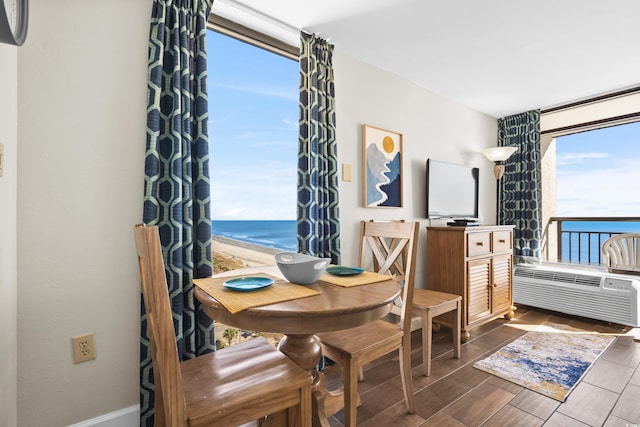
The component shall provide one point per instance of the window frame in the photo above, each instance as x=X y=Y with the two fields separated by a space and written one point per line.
x=248 y=35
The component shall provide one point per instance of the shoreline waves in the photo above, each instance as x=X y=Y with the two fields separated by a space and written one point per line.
x=276 y=234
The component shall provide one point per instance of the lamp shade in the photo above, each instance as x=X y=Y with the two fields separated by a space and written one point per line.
x=499 y=154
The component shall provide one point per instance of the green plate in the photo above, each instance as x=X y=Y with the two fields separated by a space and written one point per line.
x=339 y=270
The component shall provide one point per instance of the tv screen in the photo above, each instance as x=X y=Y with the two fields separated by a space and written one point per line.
x=452 y=190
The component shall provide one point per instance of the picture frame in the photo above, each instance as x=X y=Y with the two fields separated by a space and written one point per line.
x=382 y=171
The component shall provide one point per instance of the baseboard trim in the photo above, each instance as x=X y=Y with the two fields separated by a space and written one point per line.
x=126 y=417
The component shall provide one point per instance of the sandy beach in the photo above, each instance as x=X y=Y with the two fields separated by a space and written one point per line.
x=235 y=254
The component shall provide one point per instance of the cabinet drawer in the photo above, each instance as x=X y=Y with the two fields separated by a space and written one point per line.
x=478 y=244
x=502 y=241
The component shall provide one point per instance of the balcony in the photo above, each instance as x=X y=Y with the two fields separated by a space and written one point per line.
x=579 y=239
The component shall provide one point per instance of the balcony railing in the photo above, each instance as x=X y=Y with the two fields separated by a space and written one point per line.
x=580 y=239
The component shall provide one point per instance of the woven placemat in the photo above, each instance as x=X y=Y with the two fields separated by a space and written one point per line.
x=236 y=301
x=366 y=278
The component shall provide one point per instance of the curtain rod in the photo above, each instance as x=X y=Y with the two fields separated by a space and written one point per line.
x=626 y=118
x=590 y=100
x=257 y=14
x=253 y=37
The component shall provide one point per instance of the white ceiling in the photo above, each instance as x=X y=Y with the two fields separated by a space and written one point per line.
x=499 y=57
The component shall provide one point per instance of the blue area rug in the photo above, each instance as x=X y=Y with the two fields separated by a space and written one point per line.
x=550 y=359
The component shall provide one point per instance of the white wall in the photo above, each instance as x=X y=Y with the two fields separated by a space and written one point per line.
x=81 y=126
x=432 y=127
x=8 y=239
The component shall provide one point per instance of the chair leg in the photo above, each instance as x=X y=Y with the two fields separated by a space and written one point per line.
x=456 y=331
x=405 y=374
x=427 y=331
x=350 y=384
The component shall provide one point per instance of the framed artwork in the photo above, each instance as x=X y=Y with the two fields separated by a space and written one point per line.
x=381 y=168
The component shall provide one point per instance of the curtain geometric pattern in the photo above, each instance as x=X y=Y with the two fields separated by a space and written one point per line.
x=521 y=183
x=176 y=190
x=317 y=210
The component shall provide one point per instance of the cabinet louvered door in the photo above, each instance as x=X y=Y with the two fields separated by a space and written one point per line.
x=479 y=291
x=501 y=297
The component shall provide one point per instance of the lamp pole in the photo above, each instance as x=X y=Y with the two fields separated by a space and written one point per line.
x=498 y=171
x=498 y=155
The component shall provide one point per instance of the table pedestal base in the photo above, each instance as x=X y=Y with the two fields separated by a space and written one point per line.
x=306 y=351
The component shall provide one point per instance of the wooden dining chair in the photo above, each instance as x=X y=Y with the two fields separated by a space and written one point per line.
x=430 y=304
x=393 y=247
x=228 y=387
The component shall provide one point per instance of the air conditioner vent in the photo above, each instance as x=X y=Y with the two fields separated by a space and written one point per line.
x=588 y=280
x=524 y=272
x=558 y=276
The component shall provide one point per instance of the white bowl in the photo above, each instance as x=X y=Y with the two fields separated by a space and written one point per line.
x=300 y=268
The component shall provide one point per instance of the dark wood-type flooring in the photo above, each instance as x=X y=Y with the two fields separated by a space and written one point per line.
x=457 y=394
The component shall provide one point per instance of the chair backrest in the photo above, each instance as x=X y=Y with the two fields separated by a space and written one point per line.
x=622 y=251
x=169 y=391
x=393 y=246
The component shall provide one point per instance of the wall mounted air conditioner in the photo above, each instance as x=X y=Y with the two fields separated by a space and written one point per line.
x=587 y=292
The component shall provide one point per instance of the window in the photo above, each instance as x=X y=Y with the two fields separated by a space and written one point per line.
x=587 y=147
x=589 y=180
x=253 y=131
x=597 y=172
x=253 y=135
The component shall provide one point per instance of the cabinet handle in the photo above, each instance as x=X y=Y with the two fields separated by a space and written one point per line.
x=495 y=285
x=502 y=241
x=480 y=243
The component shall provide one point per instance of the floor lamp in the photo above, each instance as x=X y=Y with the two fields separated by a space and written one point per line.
x=498 y=155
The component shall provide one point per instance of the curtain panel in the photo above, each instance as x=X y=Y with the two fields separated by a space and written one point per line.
x=521 y=183
x=176 y=188
x=317 y=210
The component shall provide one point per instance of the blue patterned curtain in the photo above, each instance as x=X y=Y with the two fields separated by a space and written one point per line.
x=318 y=216
x=521 y=183
x=176 y=190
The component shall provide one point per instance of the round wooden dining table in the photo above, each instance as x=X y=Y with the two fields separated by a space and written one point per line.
x=335 y=308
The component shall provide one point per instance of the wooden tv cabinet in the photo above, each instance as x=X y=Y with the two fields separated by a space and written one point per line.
x=476 y=263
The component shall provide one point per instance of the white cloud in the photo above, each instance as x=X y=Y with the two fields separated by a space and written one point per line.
x=576 y=158
x=258 y=139
x=270 y=90
x=601 y=192
x=291 y=123
x=220 y=119
x=264 y=194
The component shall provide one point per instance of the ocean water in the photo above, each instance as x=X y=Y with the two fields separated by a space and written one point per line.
x=580 y=249
x=271 y=234
x=282 y=235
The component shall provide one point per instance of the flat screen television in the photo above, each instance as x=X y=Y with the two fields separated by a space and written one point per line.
x=452 y=190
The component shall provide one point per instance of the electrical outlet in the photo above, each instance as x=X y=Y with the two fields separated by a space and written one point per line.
x=83 y=348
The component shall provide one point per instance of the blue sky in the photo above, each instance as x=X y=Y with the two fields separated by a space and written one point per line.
x=598 y=172
x=253 y=131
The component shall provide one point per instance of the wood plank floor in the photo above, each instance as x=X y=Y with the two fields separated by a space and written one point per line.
x=456 y=394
